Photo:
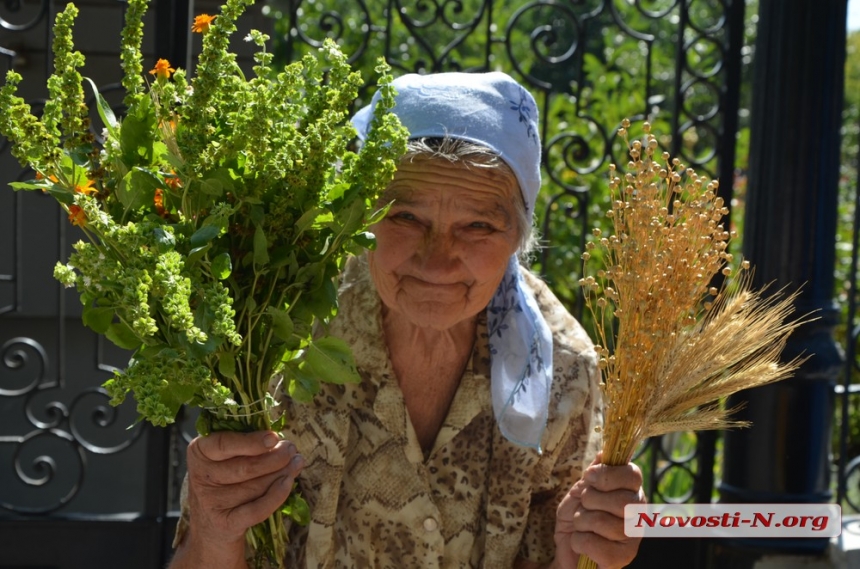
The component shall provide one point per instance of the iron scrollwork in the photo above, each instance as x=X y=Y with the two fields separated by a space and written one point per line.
x=15 y=7
x=51 y=459
x=561 y=50
x=660 y=60
x=18 y=354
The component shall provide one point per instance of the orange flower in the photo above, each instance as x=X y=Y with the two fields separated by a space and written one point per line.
x=77 y=215
x=173 y=182
x=87 y=188
x=202 y=23
x=167 y=125
x=40 y=176
x=159 y=202
x=162 y=69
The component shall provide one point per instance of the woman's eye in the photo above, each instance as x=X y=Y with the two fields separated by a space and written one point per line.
x=480 y=225
x=405 y=215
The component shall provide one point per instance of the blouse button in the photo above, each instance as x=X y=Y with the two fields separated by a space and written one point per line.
x=430 y=524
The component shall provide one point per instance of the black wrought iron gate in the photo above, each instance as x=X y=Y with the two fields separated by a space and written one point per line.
x=78 y=487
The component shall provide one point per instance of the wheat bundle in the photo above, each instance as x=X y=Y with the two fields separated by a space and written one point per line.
x=672 y=346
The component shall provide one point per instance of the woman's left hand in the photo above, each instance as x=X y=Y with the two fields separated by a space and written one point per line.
x=590 y=519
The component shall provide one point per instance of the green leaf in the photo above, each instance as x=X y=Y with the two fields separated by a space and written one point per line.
x=261 y=253
x=280 y=423
x=80 y=155
x=221 y=221
x=164 y=240
x=97 y=318
x=175 y=395
x=302 y=385
x=196 y=254
x=204 y=235
x=324 y=219
x=123 y=336
x=297 y=509
x=223 y=178
x=105 y=112
x=227 y=364
x=137 y=188
x=365 y=239
x=336 y=191
x=323 y=301
x=222 y=266
x=306 y=220
x=257 y=215
x=379 y=214
x=331 y=360
x=351 y=217
x=153 y=351
x=281 y=256
x=282 y=324
x=311 y=275
x=27 y=186
x=212 y=187
x=61 y=194
x=135 y=140
x=199 y=350
x=203 y=424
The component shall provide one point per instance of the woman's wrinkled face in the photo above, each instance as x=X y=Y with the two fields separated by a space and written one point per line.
x=443 y=247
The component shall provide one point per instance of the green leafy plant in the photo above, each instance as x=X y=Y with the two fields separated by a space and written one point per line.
x=218 y=213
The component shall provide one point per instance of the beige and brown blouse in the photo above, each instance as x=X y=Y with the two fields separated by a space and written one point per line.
x=477 y=500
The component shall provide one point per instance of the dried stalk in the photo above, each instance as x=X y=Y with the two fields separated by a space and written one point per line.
x=681 y=345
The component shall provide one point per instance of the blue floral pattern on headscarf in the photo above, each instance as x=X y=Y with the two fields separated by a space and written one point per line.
x=525 y=113
x=520 y=344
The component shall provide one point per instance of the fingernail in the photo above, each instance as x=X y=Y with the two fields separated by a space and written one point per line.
x=298 y=461
x=270 y=440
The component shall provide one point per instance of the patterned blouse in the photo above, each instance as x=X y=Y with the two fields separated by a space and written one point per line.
x=476 y=500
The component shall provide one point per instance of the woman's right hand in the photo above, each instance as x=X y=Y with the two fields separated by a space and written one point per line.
x=235 y=480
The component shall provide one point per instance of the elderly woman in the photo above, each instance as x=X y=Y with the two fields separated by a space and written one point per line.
x=472 y=439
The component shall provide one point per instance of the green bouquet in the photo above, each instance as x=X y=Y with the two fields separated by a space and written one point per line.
x=219 y=211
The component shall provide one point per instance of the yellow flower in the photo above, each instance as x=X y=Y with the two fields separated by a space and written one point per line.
x=87 y=188
x=162 y=69
x=202 y=23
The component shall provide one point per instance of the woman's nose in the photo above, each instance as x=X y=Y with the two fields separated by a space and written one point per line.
x=439 y=254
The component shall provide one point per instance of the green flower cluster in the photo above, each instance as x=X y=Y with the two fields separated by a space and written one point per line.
x=163 y=381
x=218 y=212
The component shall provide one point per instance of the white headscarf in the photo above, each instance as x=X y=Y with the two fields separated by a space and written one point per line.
x=493 y=110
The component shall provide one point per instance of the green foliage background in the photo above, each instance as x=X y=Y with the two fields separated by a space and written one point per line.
x=589 y=65
x=585 y=98
x=848 y=187
x=588 y=68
